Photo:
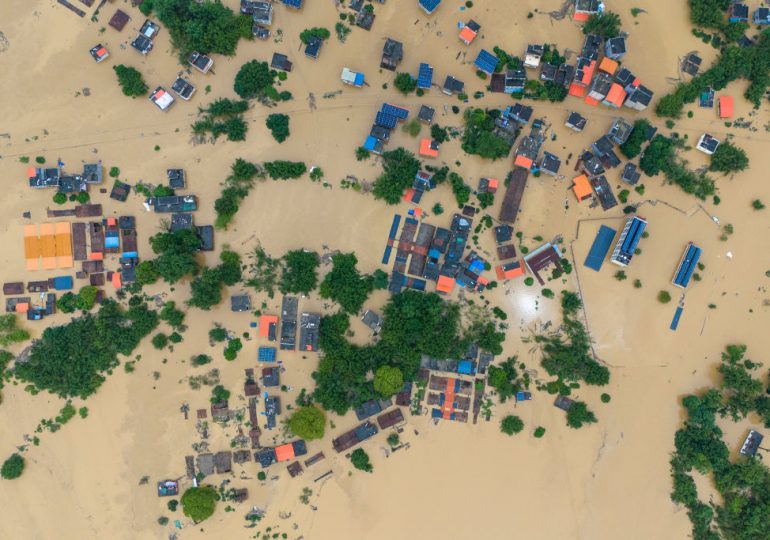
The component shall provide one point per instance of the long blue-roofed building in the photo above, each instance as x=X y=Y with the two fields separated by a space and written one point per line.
x=486 y=62
x=424 y=76
x=687 y=266
x=429 y=6
x=628 y=241
x=296 y=4
x=600 y=247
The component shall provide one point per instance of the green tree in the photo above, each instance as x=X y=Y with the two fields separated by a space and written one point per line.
x=253 y=80
x=605 y=24
x=217 y=334
x=219 y=394
x=388 y=381
x=345 y=285
x=579 y=414
x=308 y=423
x=393 y=439
x=318 y=33
x=59 y=198
x=664 y=297
x=206 y=289
x=505 y=379
x=439 y=134
x=160 y=340
x=146 y=272
x=539 y=432
x=171 y=315
x=479 y=137
x=728 y=158
x=130 y=81
x=86 y=297
x=300 y=272
x=511 y=425
x=399 y=170
x=285 y=170
x=360 y=460
x=12 y=467
x=633 y=145
x=278 y=124
x=405 y=83
x=10 y=333
x=176 y=254
x=199 y=503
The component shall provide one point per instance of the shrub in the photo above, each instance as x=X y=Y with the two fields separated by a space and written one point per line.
x=539 y=432
x=217 y=334
x=200 y=360
x=393 y=439
x=405 y=83
x=160 y=340
x=664 y=297
x=362 y=153
x=439 y=134
x=511 y=425
x=548 y=293
x=59 y=198
x=529 y=281
x=285 y=170
x=278 y=124
x=320 y=33
x=606 y=398
x=579 y=414
x=12 y=467
x=757 y=204
x=130 y=81
x=199 y=503
x=219 y=394
x=360 y=460
x=620 y=275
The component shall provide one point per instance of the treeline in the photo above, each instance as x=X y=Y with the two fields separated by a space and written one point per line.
x=223 y=117
x=661 y=156
x=750 y=63
x=743 y=485
x=414 y=324
x=206 y=27
x=713 y=14
x=237 y=187
x=70 y=360
x=346 y=286
x=294 y=273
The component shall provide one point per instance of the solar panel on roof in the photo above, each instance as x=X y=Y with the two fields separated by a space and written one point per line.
x=429 y=5
x=293 y=3
x=386 y=120
x=424 y=76
x=266 y=354
x=486 y=61
x=393 y=110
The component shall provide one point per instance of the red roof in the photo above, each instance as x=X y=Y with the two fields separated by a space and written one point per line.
x=467 y=35
x=426 y=148
x=492 y=183
x=523 y=161
x=575 y=90
x=284 y=452
x=608 y=65
x=116 y=281
x=591 y=101
x=725 y=106
x=445 y=284
x=96 y=256
x=616 y=96
x=580 y=17
x=264 y=324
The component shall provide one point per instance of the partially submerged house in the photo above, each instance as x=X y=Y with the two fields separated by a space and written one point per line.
x=173 y=203
x=308 y=331
x=354 y=437
x=630 y=174
x=426 y=114
x=486 y=62
x=183 y=88
x=313 y=47
x=584 y=9
x=176 y=178
x=511 y=81
x=424 y=76
x=532 y=55
x=428 y=6
x=687 y=266
x=600 y=87
x=392 y=54
x=761 y=16
x=429 y=148
x=725 y=107
x=469 y=32
x=352 y=78
x=201 y=62
x=518 y=112
x=615 y=48
x=604 y=192
x=639 y=99
x=738 y=13
x=691 y=64
x=453 y=86
x=143 y=41
x=99 y=53
x=576 y=122
x=707 y=144
x=289 y=307
x=550 y=164
x=281 y=62
x=488 y=185
x=620 y=130
x=581 y=187
x=240 y=303
x=294 y=4
x=162 y=98
x=373 y=321
x=628 y=240
x=119 y=20
x=751 y=443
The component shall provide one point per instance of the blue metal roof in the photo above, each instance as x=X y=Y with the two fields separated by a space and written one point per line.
x=687 y=265
x=429 y=5
x=633 y=236
x=465 y=367
x=370 y=143
x=600 y=247
x=293 y=3
x=386 y=120
x=424 y=76
x=394 y=110
x=359 y=79
x=486 y=61
x=266 y=354
x=677 y=316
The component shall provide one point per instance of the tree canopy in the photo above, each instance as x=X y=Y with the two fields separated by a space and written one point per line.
x=399 y=168
x=728 y=158
x=360 y=460
x=237 y=186
x=633 y=145
x=405 y=83
x=176 y=254
x=505 y=379
x=9 y=330
x=388 y=381
x=12 y=467
x=605 y=24
x=511 y=425
x=300 y=272
x=199 y=503
x=254 y=80
x=130 y=80
x=479 y=137
x=206 y=288
x=285 y=170
x=278 y=124
x=345 y=285
x=70 y=360
x=308 y=422
x=579 y=414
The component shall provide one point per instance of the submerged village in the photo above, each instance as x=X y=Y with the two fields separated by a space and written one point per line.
x=301 y=371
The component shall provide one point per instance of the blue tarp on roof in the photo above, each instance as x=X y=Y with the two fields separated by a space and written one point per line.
x=111 y=242
x=600 y=247
x=266 y=354
x=359 y=79
x=424 y=76
x=293 y=3
x=62 y=283
x=370 y=143
x=429 y=5
x=394 y=110
x=465 y=367
x=386 y=120
x=129 y=255
x=486 y=61
x=477 y=267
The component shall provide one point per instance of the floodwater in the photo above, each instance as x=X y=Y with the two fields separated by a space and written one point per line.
x=605 y=481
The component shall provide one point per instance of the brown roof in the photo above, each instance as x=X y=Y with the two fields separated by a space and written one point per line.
x=119 y=20
x=513 y=195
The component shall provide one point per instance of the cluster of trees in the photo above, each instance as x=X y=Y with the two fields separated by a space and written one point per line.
x=661 y=155
x=549 y=90
x=461 y=190
x=176 y=257
x=255 y=80
x=285 y=170
x=479 y=137
x=633 y=145
x=83 y=300
x=728 y=158
x=237 y=187
x=439 y=134
x=199 y=503
x=507 y=61
x=10 y=332
x=360 y=460
x=70 y=360
x=405 y=83
x=505 y=379
x=605 y=24
x=223 y=117
x=744 y=485
x=751 y=63
x=345 y=285
x=130 y=80
x=399 y=167
x=414 y=323
x=314 y=33
x=569 y=358
x=300 y=272
x=264 y=271
x=206 y=288
x=579 y=414
x=388 y=380
x=511 y=425
x=205 y=27
x=278 y=124
x=713 y=14
x=308 y=422
x=12 y=467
